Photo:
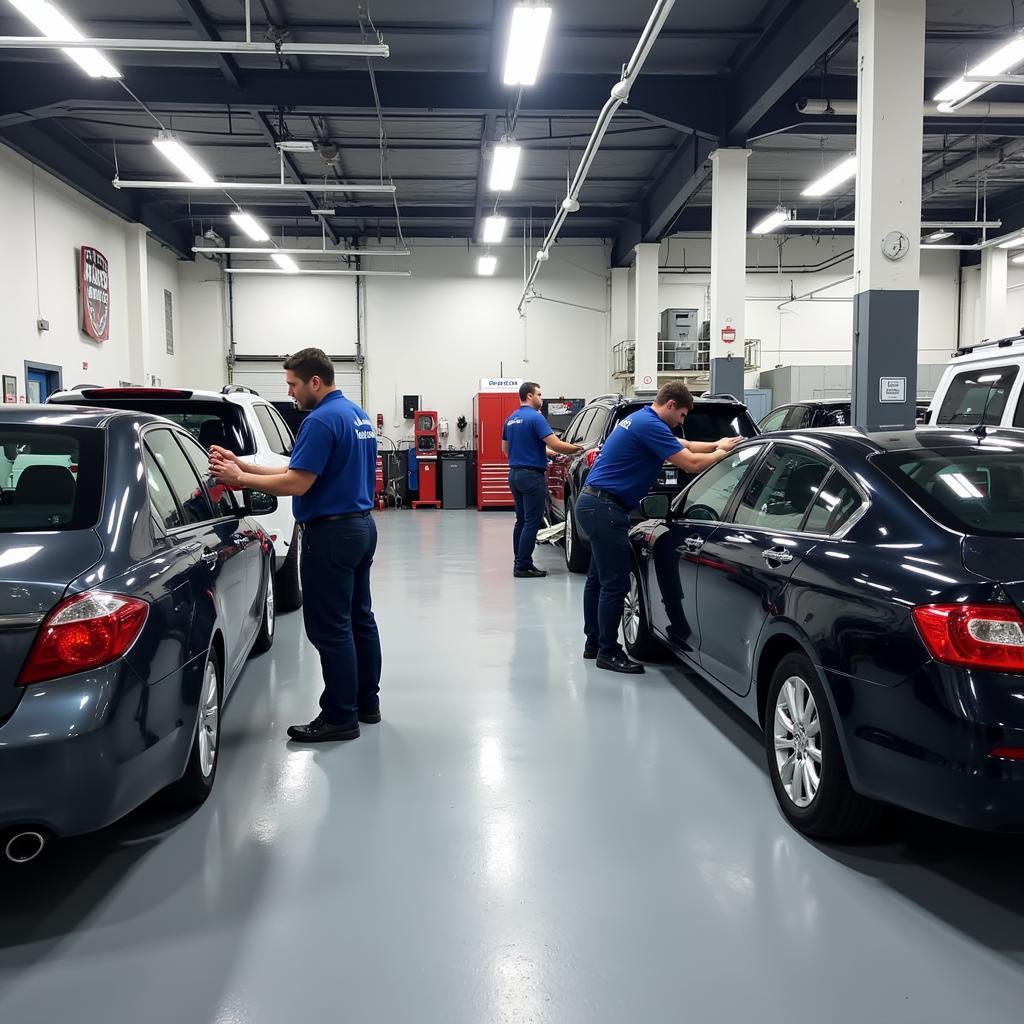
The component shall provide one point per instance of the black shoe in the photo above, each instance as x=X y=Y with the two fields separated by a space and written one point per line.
x=589 y=653
x=370 y=717
x=533 y=573
x=620 y=663
x=322 y=731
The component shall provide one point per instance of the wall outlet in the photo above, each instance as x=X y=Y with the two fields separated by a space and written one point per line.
x=42 y=325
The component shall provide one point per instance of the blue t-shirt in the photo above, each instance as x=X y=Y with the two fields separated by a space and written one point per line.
x=631 y=458
x=338 y=443
x=525 y=431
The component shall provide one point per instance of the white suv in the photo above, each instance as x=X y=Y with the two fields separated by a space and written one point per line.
x=236 y=418
x=982 y=384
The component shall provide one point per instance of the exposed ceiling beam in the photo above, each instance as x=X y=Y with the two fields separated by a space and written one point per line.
x=486 y=138
x=200 y=20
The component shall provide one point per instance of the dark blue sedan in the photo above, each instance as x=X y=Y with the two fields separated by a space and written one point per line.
x=859 y=596
x=132 y=590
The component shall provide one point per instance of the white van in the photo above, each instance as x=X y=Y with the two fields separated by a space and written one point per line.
x=982 y=384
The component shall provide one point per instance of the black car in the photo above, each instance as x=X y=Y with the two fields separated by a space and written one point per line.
x=132 y=589
x=812 y=415
x=712 y=417
x=859 y=596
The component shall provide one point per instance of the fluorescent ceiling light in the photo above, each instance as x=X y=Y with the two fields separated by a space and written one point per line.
x=504 y=165
x=487 y=265
x=494 y=229
x=285 y=262
x=771 y=222
x=832 y=179
x=1004 y=59
x=526 y=43
x=1018 y=259
x=324 y=211
x=250 y=225
x=296 y=146
x=54 y=25
x=1014 y=241
x=938 y=236
x=178 y=155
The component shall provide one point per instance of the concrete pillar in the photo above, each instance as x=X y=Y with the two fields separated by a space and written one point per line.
x=993 y=294
x=645 y=269
x=887 y=255
x=137 y=287
x=620 y=304
x=728 y=269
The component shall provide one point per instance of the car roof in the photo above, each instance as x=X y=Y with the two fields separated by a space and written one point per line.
x=996 y=348
x=234 y=393
x=73 y=416
x=920 y=438
x=614 y=401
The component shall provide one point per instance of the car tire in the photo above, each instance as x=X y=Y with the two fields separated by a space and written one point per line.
x=577 y=551
x=201 y=771
x=805 y=759
x=641 y=643
x=268 y=621
x=289 y=577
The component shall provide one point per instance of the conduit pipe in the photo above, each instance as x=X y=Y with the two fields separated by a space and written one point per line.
x=619 y=95
x=974 y=110
x=221 y=46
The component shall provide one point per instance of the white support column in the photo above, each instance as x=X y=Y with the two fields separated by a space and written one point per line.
x=647 y=317
x=620 y=304
x=728 y=269
x=137 y=287
x=993 y=293
x=887 y=256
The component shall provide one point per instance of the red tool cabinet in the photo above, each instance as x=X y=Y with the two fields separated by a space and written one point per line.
x=490 y=410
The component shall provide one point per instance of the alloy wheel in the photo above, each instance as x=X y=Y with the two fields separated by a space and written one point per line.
x=797 y=729
x=631 y=611
x=269 y=608
x=209 y=718
x=568 y=534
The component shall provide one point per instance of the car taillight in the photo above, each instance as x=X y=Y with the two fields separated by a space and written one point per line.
x=84 y=632
x=592 y=457
x=973 y=635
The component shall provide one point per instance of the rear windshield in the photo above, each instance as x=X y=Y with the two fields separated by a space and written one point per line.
x=978 y=492
x=977 y=394
x=50 y=479
x=209 y=423
x=710 y=423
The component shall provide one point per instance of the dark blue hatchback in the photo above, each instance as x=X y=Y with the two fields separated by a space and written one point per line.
x=132 y=590
x=860 y=597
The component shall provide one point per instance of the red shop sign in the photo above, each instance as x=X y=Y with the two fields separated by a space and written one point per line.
x=94 y=285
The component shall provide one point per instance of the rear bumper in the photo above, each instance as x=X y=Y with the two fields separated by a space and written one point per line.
x=925 y=744
x=81 y=752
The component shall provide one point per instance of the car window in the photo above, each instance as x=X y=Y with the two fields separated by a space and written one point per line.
x=708 y=497
x=836 y=502
x=799 y=417
x=581 y=425
x=782 y=489
x=838 y=416
x=269 y=428
x=597 y=427
x=973 y=394
x=572 y=431
x=711 y=422
x=185 y=484
x=283 y=429
x=220 y=494
x=774 y=419
x=165 y=508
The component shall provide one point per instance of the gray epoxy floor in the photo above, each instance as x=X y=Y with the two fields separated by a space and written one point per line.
x=524 y=839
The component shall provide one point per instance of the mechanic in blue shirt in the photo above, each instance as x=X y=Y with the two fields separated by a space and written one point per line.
x=622 y=476
x=525 y=440
x=331 y=478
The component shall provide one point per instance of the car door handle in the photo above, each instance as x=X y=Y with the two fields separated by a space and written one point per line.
x=693 y=544
x=779 y=555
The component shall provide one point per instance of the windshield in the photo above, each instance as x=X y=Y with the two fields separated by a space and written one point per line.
x=50 y=479
x=971 y=491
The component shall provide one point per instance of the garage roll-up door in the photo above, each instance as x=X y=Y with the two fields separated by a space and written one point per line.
x=267 y=377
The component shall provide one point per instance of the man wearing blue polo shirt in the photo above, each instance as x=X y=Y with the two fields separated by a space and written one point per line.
x=525 y=439
x=331 y=478
x=623 y=474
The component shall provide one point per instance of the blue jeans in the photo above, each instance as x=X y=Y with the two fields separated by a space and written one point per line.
x=338 y=614
x=529 y=488
x=604 y=595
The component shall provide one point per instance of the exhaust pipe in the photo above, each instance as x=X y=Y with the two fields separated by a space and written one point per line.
x=24 y=847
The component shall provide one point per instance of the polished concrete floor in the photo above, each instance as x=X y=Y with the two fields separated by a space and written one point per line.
x=524 y=839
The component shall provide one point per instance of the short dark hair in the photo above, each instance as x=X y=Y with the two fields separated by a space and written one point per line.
x=310 y=363
x=527 y=388
x=675 y=391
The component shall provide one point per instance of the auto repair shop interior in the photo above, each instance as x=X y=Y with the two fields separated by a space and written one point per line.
x=810 y=800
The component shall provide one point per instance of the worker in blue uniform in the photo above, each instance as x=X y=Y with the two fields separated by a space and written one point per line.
x=526 y=439
x=331 y=479
x=623 y=474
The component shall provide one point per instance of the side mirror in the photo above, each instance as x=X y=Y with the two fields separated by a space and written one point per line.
x=259 y=503
x=656 y=506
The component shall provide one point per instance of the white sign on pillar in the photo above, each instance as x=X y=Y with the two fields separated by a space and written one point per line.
x=645 y=290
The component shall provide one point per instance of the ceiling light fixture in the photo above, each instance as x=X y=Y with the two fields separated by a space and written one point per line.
x=832 y=179
x=326 y=211
x=494 y=229
x=767 y=224
x=1018 y=259
x=285 y=262
x=504 y=166
x=1006 y=58
x=250 y=225
x=178 y=155
x=487 y=265
x=52 y=22
x=1015 y=241
x=529 y=32
x=938 y=236
x=295 y=146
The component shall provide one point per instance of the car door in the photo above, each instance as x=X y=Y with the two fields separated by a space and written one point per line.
x=221 y=572
x=677 y=545
x=558 y=467
x=746 y=565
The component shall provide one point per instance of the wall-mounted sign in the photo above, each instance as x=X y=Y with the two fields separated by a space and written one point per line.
x=892 y=389
x=500 y=384
x=10 y=389
x=94 y=285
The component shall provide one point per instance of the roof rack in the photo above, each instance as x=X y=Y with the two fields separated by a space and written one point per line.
x=234 y=389
x=724 y=396
x=993 y=343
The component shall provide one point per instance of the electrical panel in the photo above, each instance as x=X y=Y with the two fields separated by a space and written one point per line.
x=679 y=324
